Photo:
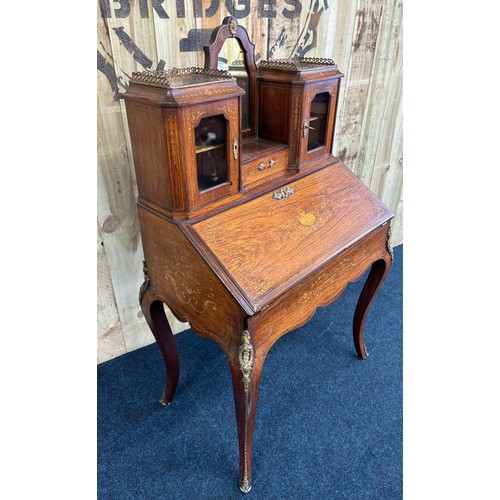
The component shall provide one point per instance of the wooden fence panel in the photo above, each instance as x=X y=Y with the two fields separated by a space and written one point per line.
x=110 y=340
x=117 y=214
x=364 y=37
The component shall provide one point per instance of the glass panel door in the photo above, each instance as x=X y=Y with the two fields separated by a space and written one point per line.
x=211 y=152
x=317 y=121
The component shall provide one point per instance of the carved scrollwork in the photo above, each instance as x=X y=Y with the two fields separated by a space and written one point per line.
x=233 y=26
x=145 y=284
x=389 y=246
x=245 y=360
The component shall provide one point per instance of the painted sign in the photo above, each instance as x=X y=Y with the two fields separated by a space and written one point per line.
x=281 y=11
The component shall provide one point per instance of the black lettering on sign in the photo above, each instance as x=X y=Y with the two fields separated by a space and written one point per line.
x=144 y=9
x=237 y=8
x=290 y=14
x=238 y=13
x=198 y=6
x=195 y=40
x=308 y=37
x=181 y=8
x=132 y=48
x=266 y=8
x=198 y=38
x=159 y=9
x=109 y=72
x=280 y=42
x=105 y=8
x=124 y=10
x=212 y=9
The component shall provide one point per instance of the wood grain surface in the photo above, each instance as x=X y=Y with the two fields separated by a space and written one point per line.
x=265 y=245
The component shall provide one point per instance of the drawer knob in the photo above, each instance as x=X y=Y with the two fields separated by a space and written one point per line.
x=262 y=165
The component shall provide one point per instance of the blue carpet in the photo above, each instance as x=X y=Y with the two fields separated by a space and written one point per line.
x=328 y=425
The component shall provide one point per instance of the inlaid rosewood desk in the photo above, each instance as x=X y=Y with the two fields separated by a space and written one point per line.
x=246 y=276
x=248 y=229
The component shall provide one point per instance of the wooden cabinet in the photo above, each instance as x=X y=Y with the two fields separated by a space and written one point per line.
x=186 y=136
x=298 y=101
x=246 y=234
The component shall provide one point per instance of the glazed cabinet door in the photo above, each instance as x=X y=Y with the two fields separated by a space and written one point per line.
x=316 y=138
x=212 y=150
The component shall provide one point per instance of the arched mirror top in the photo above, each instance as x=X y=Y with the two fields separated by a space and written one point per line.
x=230 y=48
x=230 y=29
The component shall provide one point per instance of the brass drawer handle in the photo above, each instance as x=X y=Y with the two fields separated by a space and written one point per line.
x=262 y=165
x=283 y=193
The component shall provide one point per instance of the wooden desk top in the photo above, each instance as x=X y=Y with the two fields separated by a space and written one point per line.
x=262 y=248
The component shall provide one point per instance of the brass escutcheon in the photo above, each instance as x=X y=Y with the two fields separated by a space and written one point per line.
x=283 y=193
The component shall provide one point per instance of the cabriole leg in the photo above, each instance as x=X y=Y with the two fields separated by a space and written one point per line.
x=378 y=273
x=246 y=368
x=157 y=320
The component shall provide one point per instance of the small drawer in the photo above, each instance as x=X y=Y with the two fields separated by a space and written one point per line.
x=261 y=169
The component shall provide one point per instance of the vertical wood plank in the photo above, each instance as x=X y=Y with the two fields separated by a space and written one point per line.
x=132 y=43
x=170 y=31
x=339 y=37
x=397 y=226
x=349 y=123
x=340 y=32
x=284 y=31
x=384 y=93
x=117 y=213
x=380 y=165
x=110 y=340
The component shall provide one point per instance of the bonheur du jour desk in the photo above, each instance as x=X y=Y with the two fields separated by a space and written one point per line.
x=248 y=229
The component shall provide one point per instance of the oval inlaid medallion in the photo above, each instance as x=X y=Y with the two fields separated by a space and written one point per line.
x=307 y=218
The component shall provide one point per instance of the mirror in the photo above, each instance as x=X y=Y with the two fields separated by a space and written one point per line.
x=230 y=48
x=232 y=59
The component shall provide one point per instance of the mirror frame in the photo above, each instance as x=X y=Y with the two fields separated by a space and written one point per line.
x=231 y=29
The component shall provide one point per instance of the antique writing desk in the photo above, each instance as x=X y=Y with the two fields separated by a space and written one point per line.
x=248 y=221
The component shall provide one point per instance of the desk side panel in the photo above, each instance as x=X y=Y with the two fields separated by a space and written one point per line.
x=181 y=279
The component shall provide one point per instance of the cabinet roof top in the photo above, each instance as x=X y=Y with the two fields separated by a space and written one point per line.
x=178 y=78
x=297 y=64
